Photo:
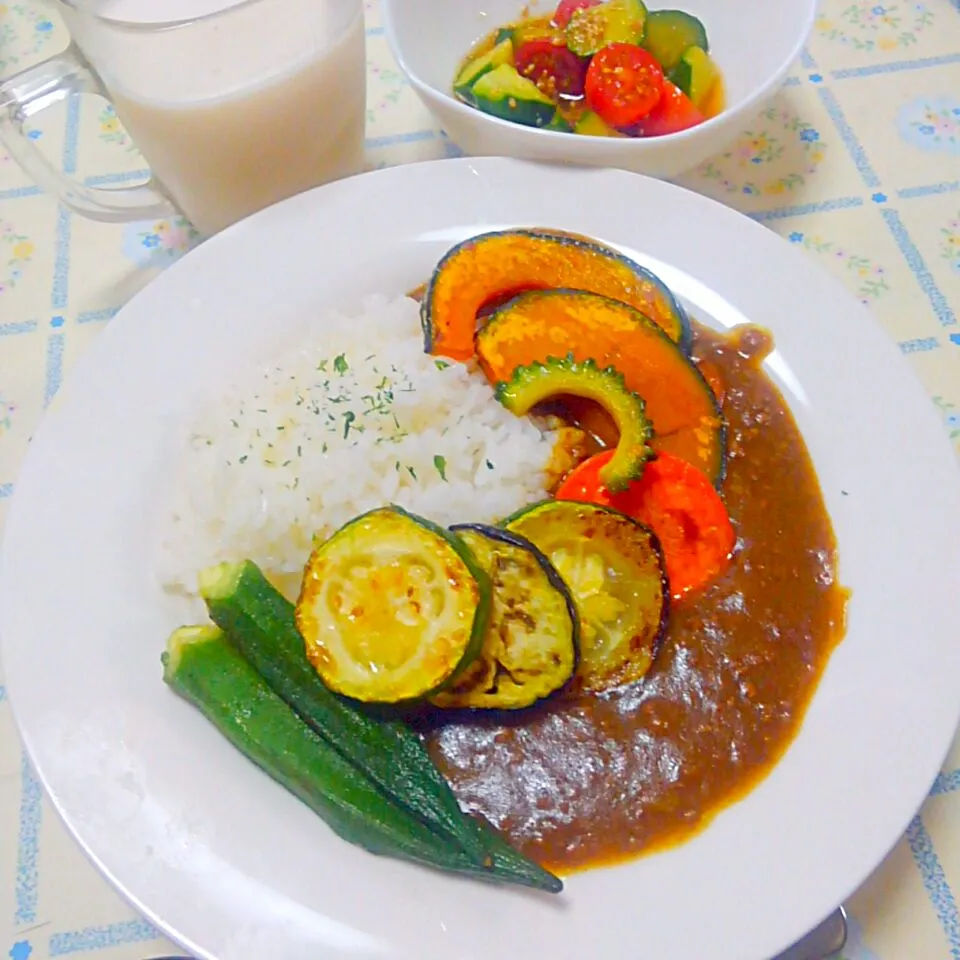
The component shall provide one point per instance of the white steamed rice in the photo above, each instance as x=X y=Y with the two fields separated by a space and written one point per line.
x=356 y=417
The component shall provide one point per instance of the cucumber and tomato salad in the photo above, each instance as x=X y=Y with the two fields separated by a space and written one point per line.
x=597 y=68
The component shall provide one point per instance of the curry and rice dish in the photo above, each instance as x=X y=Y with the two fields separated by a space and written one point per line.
x=534 y=576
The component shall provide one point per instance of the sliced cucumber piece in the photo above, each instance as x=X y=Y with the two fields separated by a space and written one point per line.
x=617 y=21
x=527 y=30
x=586 y=31
x=474 y=69
x=670 y=32
x=696 y=75
x=590 y=125
x=559 y=124
x=505 y=94
x=626 y=21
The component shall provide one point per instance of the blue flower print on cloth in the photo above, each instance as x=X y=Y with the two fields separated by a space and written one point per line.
x=25 y=32
x=932 y=124
x=951 y=416
x=32 y=134
x=774 y=157
x=870 y=26
x=158 y=243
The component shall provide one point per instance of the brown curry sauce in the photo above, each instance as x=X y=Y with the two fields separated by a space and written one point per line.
x=581 y=782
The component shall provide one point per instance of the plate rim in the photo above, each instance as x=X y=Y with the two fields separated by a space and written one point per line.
x=238 y=234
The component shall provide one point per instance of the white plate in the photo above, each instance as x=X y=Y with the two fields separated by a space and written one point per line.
x=232 y=866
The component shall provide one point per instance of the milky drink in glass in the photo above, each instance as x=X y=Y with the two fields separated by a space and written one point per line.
x=234 y=105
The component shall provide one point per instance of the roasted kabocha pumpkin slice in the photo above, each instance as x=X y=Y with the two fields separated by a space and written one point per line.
x=491 y=267
x=532 y=640
x=678 y=402
x=392 y=608
x=614 y=570
x=539 y=381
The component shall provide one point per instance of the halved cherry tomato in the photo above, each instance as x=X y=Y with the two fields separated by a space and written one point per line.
x=624 y=83
x=557 y=71
x=674 y=112
x=568 y=8
x=678 y=503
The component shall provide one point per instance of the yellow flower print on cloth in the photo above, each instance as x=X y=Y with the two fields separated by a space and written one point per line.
x=950 y=243
x=773 y=158
x=16 y=251
x=867 y=279
x=111 y=130
x=869 y=26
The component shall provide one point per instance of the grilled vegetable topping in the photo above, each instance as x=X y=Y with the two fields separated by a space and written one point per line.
x=536 y=382
x=392 y=608
x=613 y=567
x=678 y=503
x=260 y=622
x=206 y=670
x=530 y=650
x=680 y=405
x=493 y=266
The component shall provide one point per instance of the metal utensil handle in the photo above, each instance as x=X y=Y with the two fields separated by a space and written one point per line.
x=825 y=941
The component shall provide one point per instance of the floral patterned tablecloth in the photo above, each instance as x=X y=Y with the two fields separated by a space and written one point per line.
x=857 y=162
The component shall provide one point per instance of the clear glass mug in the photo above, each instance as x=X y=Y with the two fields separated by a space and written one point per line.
x=234 y=105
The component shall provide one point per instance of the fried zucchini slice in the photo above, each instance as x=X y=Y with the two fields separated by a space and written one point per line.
x=392 y=608
x=614 y=569
x=530 y=649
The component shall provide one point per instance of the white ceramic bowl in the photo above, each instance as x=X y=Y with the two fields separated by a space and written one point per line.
x=755 y=44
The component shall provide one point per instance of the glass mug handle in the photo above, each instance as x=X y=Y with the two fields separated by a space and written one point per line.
x=31 y=91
